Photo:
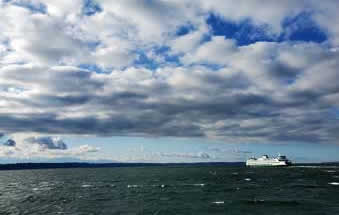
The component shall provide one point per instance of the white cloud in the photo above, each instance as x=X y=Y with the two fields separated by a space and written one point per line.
x=216 y=51
x=35 y=147
x=200 y=155
x=153 y=19
x=62 y=8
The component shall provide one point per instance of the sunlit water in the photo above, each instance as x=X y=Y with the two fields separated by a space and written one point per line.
x=171 y=190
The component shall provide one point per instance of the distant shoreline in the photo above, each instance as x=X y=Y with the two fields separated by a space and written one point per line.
x=23 y=166
x=28 y=166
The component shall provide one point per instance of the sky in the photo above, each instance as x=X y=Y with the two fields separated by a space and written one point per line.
x=168 y=80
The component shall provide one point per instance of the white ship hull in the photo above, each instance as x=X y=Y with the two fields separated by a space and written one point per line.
x=266 y=161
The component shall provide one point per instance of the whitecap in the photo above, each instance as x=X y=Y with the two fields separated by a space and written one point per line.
x=219 y=202
x=334 y=183
x=44 y=183
x=248 y=179
x=132 y=186
x=41 y=188
x=194 y=185
x=86 y=185
x=163 y=186
x=331 y=171
x=14 y=184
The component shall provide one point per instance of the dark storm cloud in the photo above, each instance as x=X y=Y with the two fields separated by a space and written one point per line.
x=115 y=125
x=51 y=143
x=10 y=143
x=141 y=110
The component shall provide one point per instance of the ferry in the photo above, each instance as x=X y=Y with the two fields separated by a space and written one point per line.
x=264 y=160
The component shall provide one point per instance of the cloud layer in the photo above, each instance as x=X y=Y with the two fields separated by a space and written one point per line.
x=160 y=68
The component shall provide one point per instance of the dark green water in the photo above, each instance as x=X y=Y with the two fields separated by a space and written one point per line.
x=171 y=190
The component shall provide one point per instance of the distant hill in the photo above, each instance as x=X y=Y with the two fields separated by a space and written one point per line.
x=21 y=166
x=335 y=163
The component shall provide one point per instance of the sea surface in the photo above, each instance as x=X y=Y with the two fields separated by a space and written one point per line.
x=171 y=190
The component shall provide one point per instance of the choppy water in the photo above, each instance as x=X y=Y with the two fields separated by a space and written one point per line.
x=171 y=190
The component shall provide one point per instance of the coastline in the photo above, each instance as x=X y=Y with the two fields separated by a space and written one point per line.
x=30 y=166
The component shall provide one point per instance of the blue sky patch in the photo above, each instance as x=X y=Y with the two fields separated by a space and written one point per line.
x=185 y=29
x=144 y=60
x=150 y=63
x=91 y=7
x=298 y=28
x=92 y=45
x=243 y=32
x=334 y=112
x=302 y=28
x=34 y=8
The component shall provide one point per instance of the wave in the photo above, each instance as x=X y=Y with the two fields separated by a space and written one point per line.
x=271 y=202
x=133 y=186
x=316 y=167
x=218 y=202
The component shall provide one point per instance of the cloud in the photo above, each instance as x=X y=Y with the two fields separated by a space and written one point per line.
x=45 y=147
x=10 y=143
x=51 y=143
x=261 y=86
x=228 y=150
x=200 y=155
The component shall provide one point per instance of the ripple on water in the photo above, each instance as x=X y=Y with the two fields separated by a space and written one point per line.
x=30 y=198
x=271 y=202
x=42 y=188
x=194 y=185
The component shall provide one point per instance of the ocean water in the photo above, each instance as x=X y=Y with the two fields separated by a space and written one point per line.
x=171 y=190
